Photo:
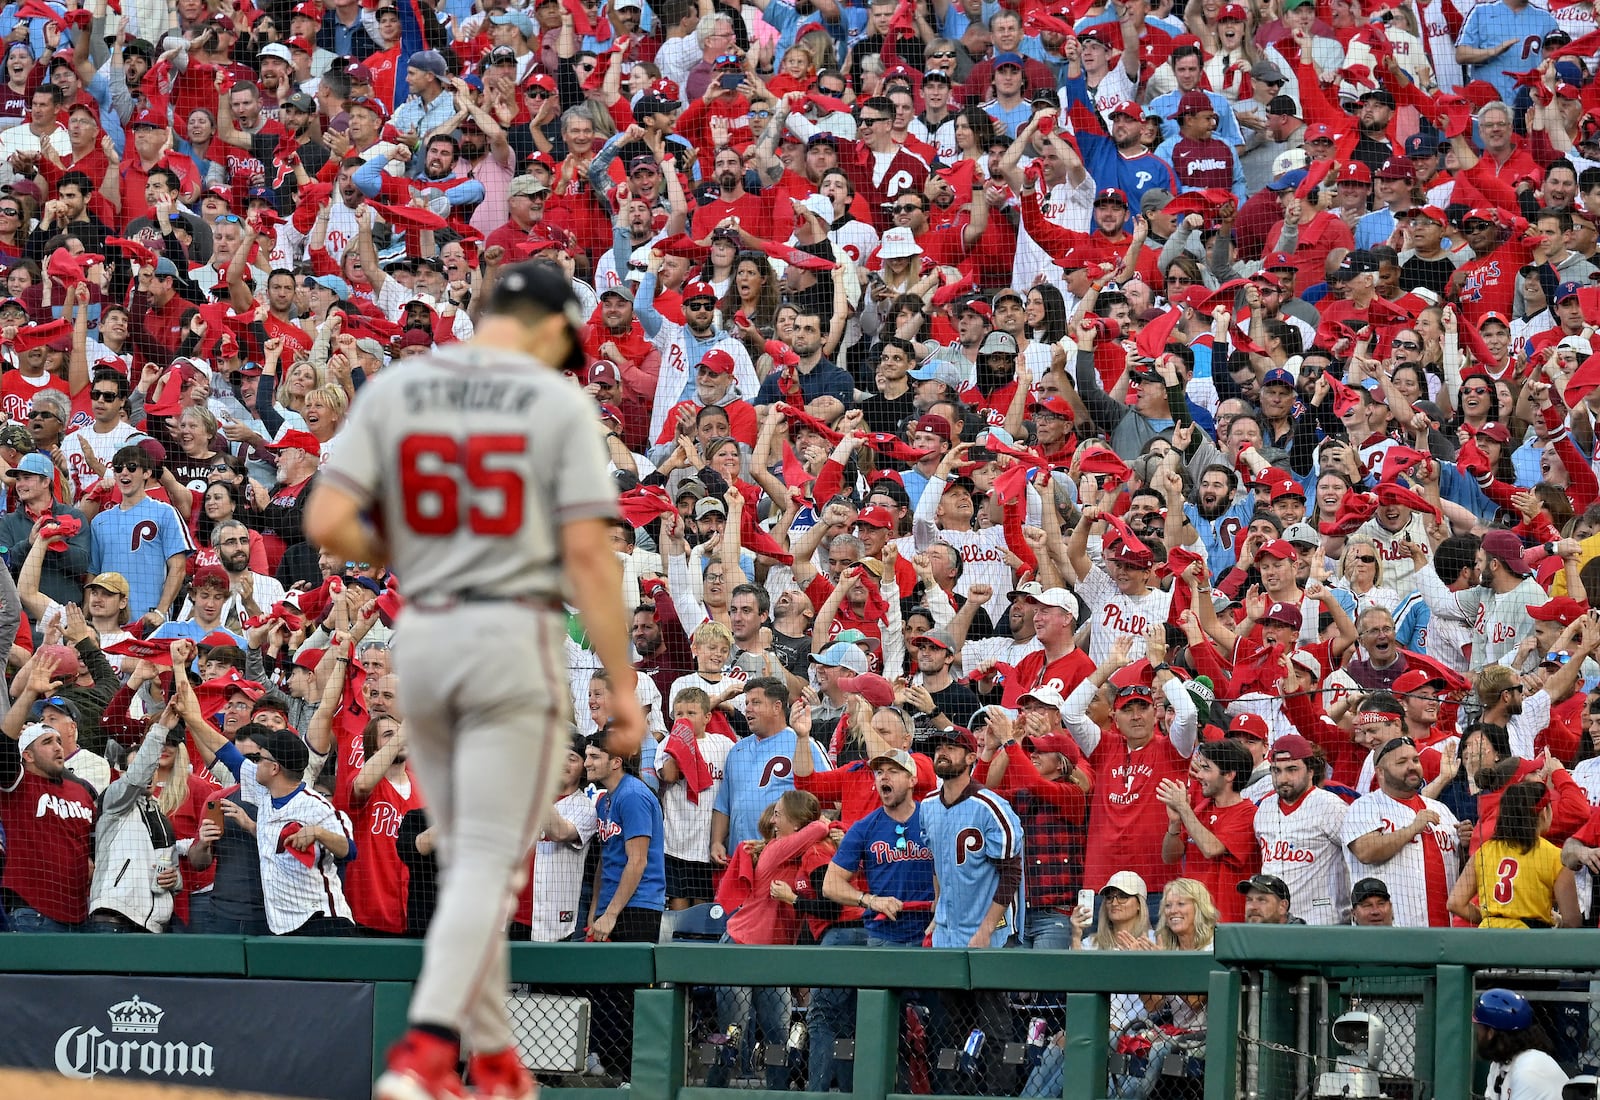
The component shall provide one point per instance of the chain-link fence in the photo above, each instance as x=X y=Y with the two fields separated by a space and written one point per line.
x=574 y=1037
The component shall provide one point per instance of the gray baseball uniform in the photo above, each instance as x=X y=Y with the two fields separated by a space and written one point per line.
x=472 y=459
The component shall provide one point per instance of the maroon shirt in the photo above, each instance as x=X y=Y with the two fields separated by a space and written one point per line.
x=49 y=827
x=1201 y=164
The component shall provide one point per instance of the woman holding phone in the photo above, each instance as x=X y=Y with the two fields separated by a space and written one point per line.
x=189 y=799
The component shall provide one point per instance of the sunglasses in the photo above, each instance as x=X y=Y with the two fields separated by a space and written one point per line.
x=907 y=208
x=126 y=467
x=105 y=395
x=900 y=838
x=1179 y=280
x=865 y=121
x=1480 y=391
x=727 y=59
x=42 y=415
x=1407 y=345
x=1474 y=226
x=10 y=211
x=1367 y=559
x=943 y=53
x=234 y=218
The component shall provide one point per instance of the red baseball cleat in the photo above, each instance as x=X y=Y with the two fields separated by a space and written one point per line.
x=500 y=1076
x=421 y=1067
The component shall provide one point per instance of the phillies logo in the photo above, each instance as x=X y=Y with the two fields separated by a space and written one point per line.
x=900 y=181
x=967 y=840
x=1281 y=851
x=1125 y=624
x=608 y=830
x=778 y=767
x=144 y=531
x=1228 y=530
x=980 y=553
x=385 y=820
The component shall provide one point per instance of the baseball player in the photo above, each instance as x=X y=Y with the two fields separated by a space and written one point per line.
x=479 y=475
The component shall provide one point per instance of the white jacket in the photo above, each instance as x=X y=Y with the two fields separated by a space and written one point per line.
x=130 y=836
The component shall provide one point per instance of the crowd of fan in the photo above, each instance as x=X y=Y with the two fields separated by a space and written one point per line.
x=1063 y=450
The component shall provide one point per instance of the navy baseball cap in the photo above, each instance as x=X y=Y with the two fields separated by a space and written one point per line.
x=1567 y=290
x=1277 y=376
x=1421 y=145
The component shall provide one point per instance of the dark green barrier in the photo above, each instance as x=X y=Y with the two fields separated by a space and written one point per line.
x=1446 y=960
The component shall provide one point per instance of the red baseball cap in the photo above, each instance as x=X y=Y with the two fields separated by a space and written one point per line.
x=605 y=372
x=1433 y=214
x=1280 y=549
x=1320 y=132
x=294 y=439
x=1250 y=725
x=717 y=361
x=1279 y=261
x=698 y=289
x=1129 y=108
x=1354 y=172
x=876 y=516
x=1563 y=609
x=933 y=422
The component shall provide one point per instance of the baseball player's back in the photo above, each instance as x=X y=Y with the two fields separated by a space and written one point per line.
x=474 y=457
x=479 y=473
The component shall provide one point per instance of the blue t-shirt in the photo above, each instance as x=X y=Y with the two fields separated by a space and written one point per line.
x=898 y=865
x=627 y=812
x=969 y=841
x=756 y=772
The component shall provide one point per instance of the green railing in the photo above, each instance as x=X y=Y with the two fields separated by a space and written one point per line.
x=1273 y=957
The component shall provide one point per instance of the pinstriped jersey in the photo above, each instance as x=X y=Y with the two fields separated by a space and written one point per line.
x=970 y=840
x=294 y=893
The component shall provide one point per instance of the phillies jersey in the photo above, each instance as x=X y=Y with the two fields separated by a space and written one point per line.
x=972 y=840
x=1420 y=876
x=49 y=838
x=1112 y=614
x=1234 y=826
x=755 y=772
x=1202 y=164
x=375 y=885
x=1395 y=564
x=897 y=864
x=1301 y=844
x=1064 y=674
x=549 y=901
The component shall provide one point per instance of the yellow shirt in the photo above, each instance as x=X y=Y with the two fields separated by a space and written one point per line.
x=1588 y=549
x=1514 y=885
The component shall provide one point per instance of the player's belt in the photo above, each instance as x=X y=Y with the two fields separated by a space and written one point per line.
x=475 y=596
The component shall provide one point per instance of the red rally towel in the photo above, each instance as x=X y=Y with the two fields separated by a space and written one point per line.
x=684 y=749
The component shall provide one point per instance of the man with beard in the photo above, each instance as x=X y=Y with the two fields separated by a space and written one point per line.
x=377 y=796
x=887 y=847
x=251 y=593
x=1487 y=283
x=1266 y=900
x=1297 y=828
x=816 y=374
x=1220 y=827
x=996 y=382
x=1373 y=117
x=975 y=838
x=299 y=118
x=633 y=227
x=685 y=346
x=1217 y=516
x=1526 y=714
x=1498 y=606
x=713 y=388
x=1408 y=840
x=733 y=201
x=439 y=181
x=1419 y=692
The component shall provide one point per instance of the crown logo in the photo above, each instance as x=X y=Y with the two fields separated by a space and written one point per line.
x=135 y=1017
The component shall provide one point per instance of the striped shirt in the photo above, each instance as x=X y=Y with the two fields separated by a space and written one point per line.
x=294 y=893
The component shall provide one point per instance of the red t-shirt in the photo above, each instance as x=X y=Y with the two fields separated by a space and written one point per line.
x=186 y=821
x=1126 y=819
x=1235 y=827
x=754 y=217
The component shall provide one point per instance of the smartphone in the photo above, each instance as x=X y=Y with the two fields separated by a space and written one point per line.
x=214 y=812
x=730 y=81
x=1086 y=900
